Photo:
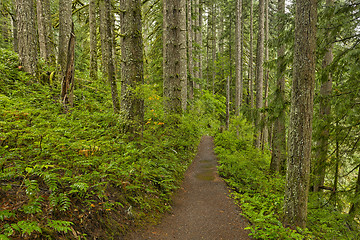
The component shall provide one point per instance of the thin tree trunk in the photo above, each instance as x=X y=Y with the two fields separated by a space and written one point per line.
x=65 y=23
x=108 y=50
x=183 y=55
x=259 y=74
x=200 y=39
x=356 y=205
x=298 y=163
x=325 y=110
x=26 y=34
x=93 y=40
x=238 y=57
x=67 y=84
x=14 y=27
x=278 y=157
x=44 y=30
x=190 y=49
x=103 y=34
x=227 y=103
x=213 y=47
x=265 y=130
x=251 y=60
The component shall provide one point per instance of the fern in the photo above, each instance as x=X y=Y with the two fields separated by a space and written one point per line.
x=60 y=226
x=29 y=227
x=6 y=214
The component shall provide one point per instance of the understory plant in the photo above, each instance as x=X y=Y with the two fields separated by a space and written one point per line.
x=72 y=173
x=261 y=194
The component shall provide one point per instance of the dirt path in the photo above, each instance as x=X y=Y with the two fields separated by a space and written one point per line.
x=201 y=208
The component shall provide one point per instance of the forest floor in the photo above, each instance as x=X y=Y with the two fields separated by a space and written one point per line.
x=201 y=208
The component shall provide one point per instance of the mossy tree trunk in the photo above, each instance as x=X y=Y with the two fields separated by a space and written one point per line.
x=238 y=58
x=173 y=48
x=65 y=23
x=301 y=116
x=321 y=154
x=27 y=43
x=190 y=62
x=45 y=31
x=259 y=77
x=278 y=157
x=93 y=40
x=132 y=70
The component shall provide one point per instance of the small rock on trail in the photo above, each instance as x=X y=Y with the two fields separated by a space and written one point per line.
x=201 y=207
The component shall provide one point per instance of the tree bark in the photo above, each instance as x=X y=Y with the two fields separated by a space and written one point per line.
x=65 y=23
x=67 y=84
x=103 y=34
x=107 y=47
x=265 y=129
x=132 y=70
x=259 y=73
x=200 y=40
x=238 y=58
x=45 y=30
x=26 y=35
x=213 y=46
x=298 y=162
x=278 y=157
x=325 y=110
x=93 y=40
x=173 y=12
x=183 y=55
x=190 y=50
x=14 y=26
x=251 y=60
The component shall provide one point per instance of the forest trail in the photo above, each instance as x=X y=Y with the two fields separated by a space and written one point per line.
x=201 y=207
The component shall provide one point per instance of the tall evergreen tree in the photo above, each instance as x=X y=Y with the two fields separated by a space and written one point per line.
x=27 y=43
x=298 y=162
x=132 y=72
x=93 y=39
x=238 y=58
x=173 y=11
x=259 y=72
x=278 y=156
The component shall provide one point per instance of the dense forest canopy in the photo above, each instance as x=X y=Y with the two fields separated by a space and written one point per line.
x=103 y=103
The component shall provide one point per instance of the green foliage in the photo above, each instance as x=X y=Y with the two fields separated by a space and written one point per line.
x=61 y=169
x=261 y=195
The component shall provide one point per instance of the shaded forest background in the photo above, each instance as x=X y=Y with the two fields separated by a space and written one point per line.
x=103 y=103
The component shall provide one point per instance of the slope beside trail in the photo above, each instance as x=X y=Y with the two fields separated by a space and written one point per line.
x=201 y=207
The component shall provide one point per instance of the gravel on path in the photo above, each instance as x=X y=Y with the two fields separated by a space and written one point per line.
x=202 y=208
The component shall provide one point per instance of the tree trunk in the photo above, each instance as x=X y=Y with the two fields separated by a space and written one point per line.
x=14 y=26
x=107 y=47
x=251 y=60
x=238 y=58
x=65 y=23
x=44 y=30
x=356 y=205
x=227 y=103
x=27 y=36
x=259 y=73
x=132 y=70
x=173 y=11
x=265 y=130
x=200 y=40
x=103 y=40
x=278 y=157
x=213 y=47
x=67 y=84
x=298 y=164
x=183 y=54
x=325 y=109
x=190 y=49
x=93 y=40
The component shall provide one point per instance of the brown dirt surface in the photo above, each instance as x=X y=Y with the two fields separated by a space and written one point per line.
x=202 y=208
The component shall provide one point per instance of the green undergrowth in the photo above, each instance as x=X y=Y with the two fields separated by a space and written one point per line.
x=260 y=194
x=72 y=173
